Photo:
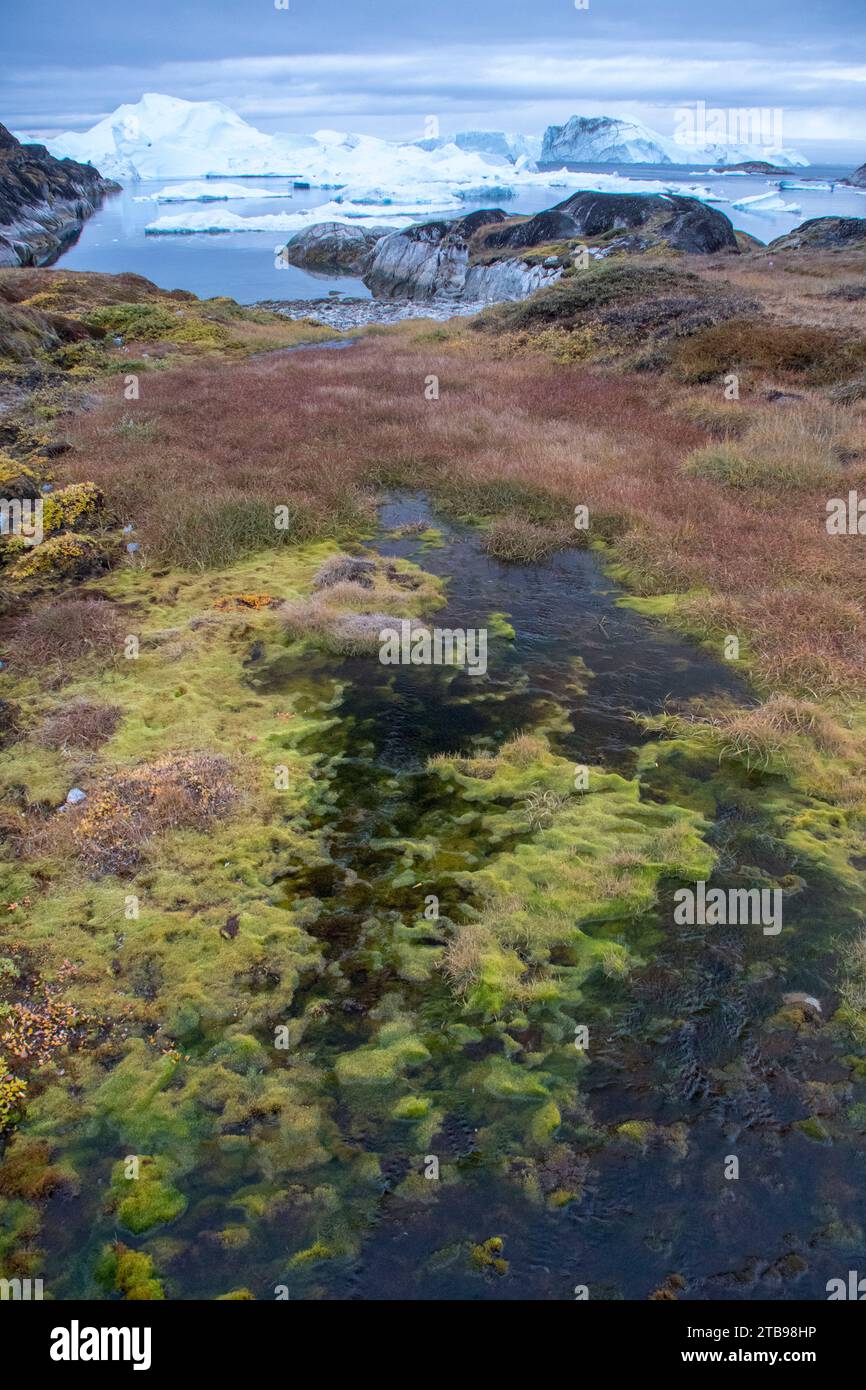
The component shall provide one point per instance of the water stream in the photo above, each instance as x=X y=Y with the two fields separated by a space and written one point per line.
x=682 y=1052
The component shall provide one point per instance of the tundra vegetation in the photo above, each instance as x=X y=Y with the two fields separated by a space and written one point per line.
x=266 y=986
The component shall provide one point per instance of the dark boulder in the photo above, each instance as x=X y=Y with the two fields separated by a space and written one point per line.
x=686 y=224
x=333 y=248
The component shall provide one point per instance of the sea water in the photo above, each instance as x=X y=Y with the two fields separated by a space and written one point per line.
x=245 y=266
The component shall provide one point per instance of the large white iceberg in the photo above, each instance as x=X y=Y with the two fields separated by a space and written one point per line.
x=610 y=140
x=162 y=137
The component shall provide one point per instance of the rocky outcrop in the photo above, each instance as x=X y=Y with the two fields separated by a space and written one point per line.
x=44 y=202
x=858 y=178
x=824 y=234
x=752 y=166
x=431 y=260
x=467 y=259
x=333 y=248
x=685 y=224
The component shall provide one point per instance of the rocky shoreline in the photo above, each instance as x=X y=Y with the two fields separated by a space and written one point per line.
x=344 y=314
x=44 y=202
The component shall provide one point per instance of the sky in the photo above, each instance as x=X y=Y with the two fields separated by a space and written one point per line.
x=384 y=67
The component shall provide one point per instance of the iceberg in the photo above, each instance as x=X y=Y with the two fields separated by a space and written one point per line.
x=609 y=140
x=163 y=137
x=812 y=186
x=499 y=143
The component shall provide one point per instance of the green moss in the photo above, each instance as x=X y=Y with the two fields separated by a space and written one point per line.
x=635 y=1132
x=395 y=1051
x=129 y=1273
x=147 y=1200
x=411 y=1108
x=312 y=1255
x=814 y=1129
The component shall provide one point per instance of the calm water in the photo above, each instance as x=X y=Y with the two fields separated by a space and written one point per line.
x=241 y=264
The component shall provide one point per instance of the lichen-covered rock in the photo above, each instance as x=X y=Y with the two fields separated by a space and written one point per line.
x=430 y=260
x=71 y=507
x=16 y=479
x=824 y=233
x=66 y=556
x=685 y=224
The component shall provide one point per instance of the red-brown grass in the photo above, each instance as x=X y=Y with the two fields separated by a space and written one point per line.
x=320 y=431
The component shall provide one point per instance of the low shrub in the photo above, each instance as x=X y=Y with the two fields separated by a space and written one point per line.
x=816 y=355
x=108 y=831
x=68 y=629
x=81 y=724
x=518 y=541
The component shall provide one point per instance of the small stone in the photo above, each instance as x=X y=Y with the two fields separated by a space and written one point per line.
x=805 y=1001
x=75 y=796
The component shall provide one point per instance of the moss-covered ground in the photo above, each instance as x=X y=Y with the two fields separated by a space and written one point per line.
x=329 y=951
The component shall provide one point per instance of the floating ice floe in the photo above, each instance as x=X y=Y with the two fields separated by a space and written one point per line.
x=765 y=202
x=221 y=220
x=211 y=191
x=807 y=187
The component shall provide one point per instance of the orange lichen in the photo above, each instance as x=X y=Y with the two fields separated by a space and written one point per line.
x=227 y=602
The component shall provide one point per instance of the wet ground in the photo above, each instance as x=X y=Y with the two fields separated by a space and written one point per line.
x=682 y=1052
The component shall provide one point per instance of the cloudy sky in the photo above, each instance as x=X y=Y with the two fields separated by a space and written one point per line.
x=385 y=66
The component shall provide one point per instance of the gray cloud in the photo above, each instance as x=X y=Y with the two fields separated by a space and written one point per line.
x=381 y=67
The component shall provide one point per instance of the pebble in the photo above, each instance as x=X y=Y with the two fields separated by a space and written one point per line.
x=344 y=314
